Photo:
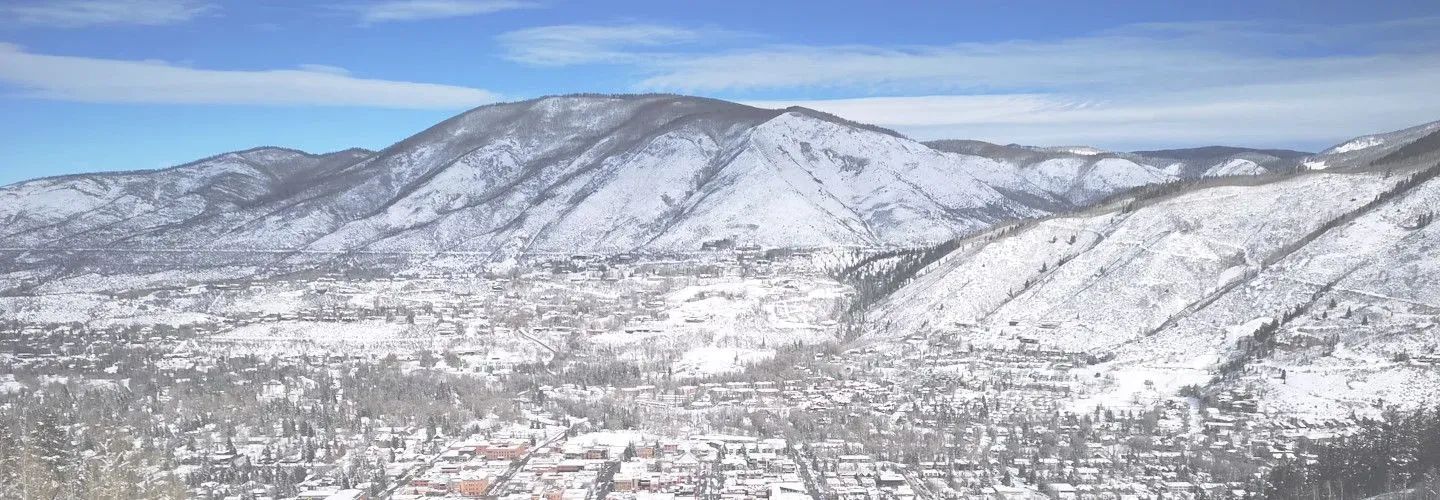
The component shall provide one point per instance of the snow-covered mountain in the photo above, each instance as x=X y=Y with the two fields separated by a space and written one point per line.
x=563 y=174
x=1172 y=286
x=1212 y=160
x=1369 y=148
x=107 y=208
x=1083 y=175
x=584 y=173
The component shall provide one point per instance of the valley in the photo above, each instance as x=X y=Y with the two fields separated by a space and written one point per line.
x=658 y=296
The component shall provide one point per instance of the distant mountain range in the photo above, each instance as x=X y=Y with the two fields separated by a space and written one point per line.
x=587 y=174
x=1082 y=175
x=594 y=173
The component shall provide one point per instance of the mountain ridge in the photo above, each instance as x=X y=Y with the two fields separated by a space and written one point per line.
x=592 y=173
x=191 y=163
x=1203 y=152
x=543 y=150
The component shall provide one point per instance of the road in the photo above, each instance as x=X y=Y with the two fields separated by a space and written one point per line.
x=405 y=479
x=708 y=487
x=514 y=467
x=520 y=332
x=817 y=488
x=500 y=482
x=917 y=483
x=604 y=481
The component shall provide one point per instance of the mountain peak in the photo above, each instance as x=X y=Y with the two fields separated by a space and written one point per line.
x=836 y=119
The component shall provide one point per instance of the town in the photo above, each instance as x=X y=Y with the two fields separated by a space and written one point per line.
x=584 y=379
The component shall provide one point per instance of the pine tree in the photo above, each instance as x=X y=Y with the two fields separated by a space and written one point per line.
x=50 y=441
x=10 y=450
x=35 y=477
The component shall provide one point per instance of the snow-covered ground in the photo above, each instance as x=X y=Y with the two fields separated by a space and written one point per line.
x=705 y=361
x=1169 y=288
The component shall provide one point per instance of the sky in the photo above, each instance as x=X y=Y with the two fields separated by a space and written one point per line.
x=89 y=85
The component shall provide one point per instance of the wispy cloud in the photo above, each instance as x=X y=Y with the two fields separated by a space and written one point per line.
x=87 y=79
x=1129 y=59
x=82 y=13
x=325 y=68
x=419 y=10
x=1155 y=83
x=570 y=44
x=1306 y=115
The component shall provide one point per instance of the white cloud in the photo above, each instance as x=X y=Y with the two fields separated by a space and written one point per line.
x=1146 y=84
x=1118 y=61
x=585 y=44
x=1311 y=114
x=81 y=13
x=122 y=81
x=324 y=68
x=934 y=110
x=417 y=10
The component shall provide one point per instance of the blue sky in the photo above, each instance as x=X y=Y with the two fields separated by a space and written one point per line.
x=130 y=84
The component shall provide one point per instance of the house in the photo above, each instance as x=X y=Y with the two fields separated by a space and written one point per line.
x=1061 y=491
x=473 y=486
x=1179 y=487
x=890 y=480
x=645 y=451
x=333 y=494
x=349 y=495
x=502 y=451
x=788 y=491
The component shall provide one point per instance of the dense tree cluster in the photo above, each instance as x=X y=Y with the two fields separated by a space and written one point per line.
x=1398 y=453
x=875 y=277
x=1422 y=146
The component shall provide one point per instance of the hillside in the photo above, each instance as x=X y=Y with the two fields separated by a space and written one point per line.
x=562 y=174
x=1174 y=288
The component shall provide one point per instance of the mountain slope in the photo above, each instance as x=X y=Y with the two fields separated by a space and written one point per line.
x=110 y=206
x=560 y=174
x=636 y=173
x=1171 y=287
